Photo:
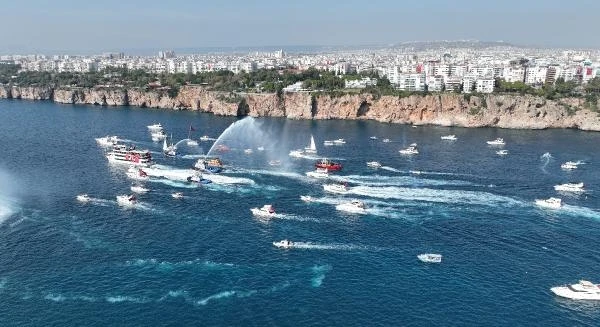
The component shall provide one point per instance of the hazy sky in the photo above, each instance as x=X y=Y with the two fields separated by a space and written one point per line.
x=108 y=25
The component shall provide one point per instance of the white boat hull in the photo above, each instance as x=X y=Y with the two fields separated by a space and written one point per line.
x=347 y=207
x=545 y=204
x=261 y=213
x=335 y=189
x=139 y=189
x=317 y=174
x=123 y=200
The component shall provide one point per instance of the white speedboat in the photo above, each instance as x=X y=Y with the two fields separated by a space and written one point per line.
x=569 y=165
x=139 y=189
x=275 y=163
x=354 y=206
x=177 y=195
x=191 y=142
x=158 y=136
x=312 y=147
x=260 y=148
x=137 y=174
x=126 y=200
x=502 y=152
x=374 y=164
x=584 y=290
x=415 y=172
x=155 y=127
x=498 y=141
x=83 y=198
x=412 y=149
x=307 y=198
x=339 y=141
x=386 y=141
x=205 y=138
x=318 y=173
x=341 y=188
x=285 y=244
x=373 y=137
x=248 y=151
x=328 y=143
x=451 y=137
x=430 y=257
x=570 y=187
x=107 y=141
x=550 y=203
x=296 y=153
x=266 y=211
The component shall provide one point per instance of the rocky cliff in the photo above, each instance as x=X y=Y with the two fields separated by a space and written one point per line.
x=448 y=109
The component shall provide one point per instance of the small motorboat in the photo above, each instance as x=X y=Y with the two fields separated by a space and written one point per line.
x=191 y=142
x=137 y=174
x=205 y=138
x=285 y=244
x=498 y=141
x=275 y=163
x=373 y=137
x=451 y=137
x=339 y=141
x=197 y=178
x=328 y=164
x=341 y=188
x=107 y=141
x=248 y=151
x=415 y=172
x=430 y=257
x=177 y=195
x=412 y=149
x=318 y=173
x=584 y=290
x=307 y=198
x=502 y=152
x=374 y=164
x=83 y=198
x=328 y=143
x=260 y=148
x=354 y=206
x=139 y=189
x=550 y=203
x=569 y=165
x=158 y=136
x=569 y=187
x=386 y=141
x=155 y=127
x=296 y=153
x=126 y=200
x=266 y=211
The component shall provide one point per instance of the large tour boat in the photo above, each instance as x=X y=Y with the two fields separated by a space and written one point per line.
x=129 y=155
x=212 y=165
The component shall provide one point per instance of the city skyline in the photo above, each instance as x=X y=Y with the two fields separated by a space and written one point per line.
x=75 y=27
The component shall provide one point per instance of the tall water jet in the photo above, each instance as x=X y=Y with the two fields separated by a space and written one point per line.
x=7 y=190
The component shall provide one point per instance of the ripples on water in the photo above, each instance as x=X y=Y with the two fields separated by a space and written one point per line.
x=205 y=259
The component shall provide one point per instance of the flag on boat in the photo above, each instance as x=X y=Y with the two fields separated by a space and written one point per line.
x=192 y=128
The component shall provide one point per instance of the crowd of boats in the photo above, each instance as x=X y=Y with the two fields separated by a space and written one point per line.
x=323 y=168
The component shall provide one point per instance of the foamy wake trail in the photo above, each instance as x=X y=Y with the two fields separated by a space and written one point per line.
x=319 y=274
x=101 y=202
x=390 y=169
x=167 y=265
x=223 y=179
x=193 y=156
x=286 y=216
x=277 y=173
x=176 y=184
x=330 y=246
x=220 y=295
x=169 y=172
x=378 y=180
x=433 y=195
x=580 y=211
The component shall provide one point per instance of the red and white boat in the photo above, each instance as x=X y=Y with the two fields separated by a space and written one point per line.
x=328 y=164
x=129 y=155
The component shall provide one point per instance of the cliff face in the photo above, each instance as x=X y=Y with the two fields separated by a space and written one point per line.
x=448 y=109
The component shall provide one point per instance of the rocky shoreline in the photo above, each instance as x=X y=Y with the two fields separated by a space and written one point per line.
x=445 y=109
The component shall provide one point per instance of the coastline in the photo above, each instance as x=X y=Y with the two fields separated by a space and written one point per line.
x=443 y=109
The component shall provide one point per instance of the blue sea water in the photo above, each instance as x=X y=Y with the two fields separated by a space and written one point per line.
x=205 y=260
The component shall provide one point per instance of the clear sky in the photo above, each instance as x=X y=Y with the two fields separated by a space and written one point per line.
x=89 y=26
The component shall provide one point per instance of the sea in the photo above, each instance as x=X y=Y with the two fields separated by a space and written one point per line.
x=205 y=260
